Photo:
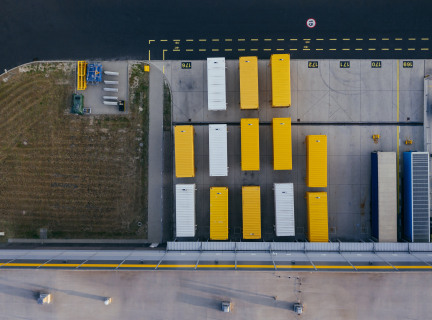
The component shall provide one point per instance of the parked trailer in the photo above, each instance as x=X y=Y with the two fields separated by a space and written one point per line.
x=111 y=73
x=250 y=144
x=218 y=154
x=251 y=203
x=110 y=103
x=216 y=84
x=218 y=213
x=316 y=161
x=185 y=210
x=416 y=196
x=317 y=216
x=111 y=89
x=184 y=151
x=284 y=209
x=384 y=196
x=110 y=82
x=281 y=81
x=282 y=144
x=81 y=75
x=248 y=69
x=110 y=98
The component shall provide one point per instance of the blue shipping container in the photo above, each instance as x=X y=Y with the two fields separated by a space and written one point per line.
x=416 y=196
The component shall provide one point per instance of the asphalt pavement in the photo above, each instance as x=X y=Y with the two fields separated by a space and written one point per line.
x=121 y=30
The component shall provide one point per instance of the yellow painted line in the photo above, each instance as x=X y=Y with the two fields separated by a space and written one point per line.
x=260 y=266
x=425 y=48
x=306 y=39
x=176 y=266
x=215 y=39
x=189 y=39
x=345 y=49
x=254 y=39
x=334 y=267
x=149 y=55
x=176 y=40
x=228 y=49
x=371 y=49
x=373 y=267
x=319 y=39
x=293 y=39
x=359 y=49
x=176 y=50
x=306 y=49
x=333 y=39
x=411 y=49
x=332 y=49
x=319 y=49
x=202 y=39
x=215 y=49
x=66 y=265
x=254 y=49
x=294 y=266
x=384 y=49
x=372 y=39
x=413 y=267
x=138 y=266
x=151 y=41
x=104 y=265
x=167 y=40
x=398 y=39
x=241 y=49
x=189 y=49
x=241 y=40
x=21 y=264
x=202 y=49
x=163 y=53
x=425 y=38
x=228 y=39
x=411 y=38
x=280 y=49
x=385 y=38
x=346 y=39
x=398 y=49
x=397 y=133
x=267 y=49
x=216 y=266
x=359 y=39
x=280 y=39
x=267 y=39
x=293 y=49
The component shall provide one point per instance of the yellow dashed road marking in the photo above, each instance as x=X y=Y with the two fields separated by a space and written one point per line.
x=345 y=39
x=293 y=39
x=254 y=39
x=293 y=49
x=319 y=49
x=164 y=40
x=215 y=39
x=425 y=48
x=398 y=39
x=228 y=49
x=241 y=49
x=411 y=49
x=189 y=39
x=385 y=38
x=359 y=49
x=372 y=49
x=280 y=49
x=228 y=39
x=398 y=49
x=333 y=39
x=345 y=49
x=267 y=39
x=411 y=38
x=332 y=49
x=202 y=49
x=425 y=38
x=215 y=49
x=372 y=39
x=267 y=49
x=241 y=40
x=176 y=50
x=384 y=49
x=202 y=39
x=319 y=39
x=189 y=49
x=359 y=39
x=254 y=49
x=280 y=39
x=306 y=49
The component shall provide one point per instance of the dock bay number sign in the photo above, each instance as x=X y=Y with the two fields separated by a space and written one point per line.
x=186 y=65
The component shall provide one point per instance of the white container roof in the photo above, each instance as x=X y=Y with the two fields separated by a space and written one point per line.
x=218 y=154
x=284 y=208
x=185 y=210
x=216 y=84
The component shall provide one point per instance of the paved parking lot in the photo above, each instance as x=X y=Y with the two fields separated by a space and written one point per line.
x=349 y=99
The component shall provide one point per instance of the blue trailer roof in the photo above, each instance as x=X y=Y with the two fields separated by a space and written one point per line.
x=94 y=72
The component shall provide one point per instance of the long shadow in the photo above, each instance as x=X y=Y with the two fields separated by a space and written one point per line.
x=71 y=292
x=19 y=292
x=200 y=301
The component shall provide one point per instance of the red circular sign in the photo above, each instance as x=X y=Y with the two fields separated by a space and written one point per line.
x=311 y=23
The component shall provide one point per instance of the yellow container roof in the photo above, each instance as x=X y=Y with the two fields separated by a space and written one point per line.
x=281 y=80
x=218 y=213
x=282 y=144
x=317 y=215
x=250 y=145
x=316 y=161
x=251 y=199
x=248 y=83
x=184 y=151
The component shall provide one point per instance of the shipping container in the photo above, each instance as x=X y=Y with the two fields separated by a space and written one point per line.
x=316 y=161
x=282 y=144
x=317 y=216
x=251 y=202
x=281 y=80
x=218 y=154
x=184 y=151
x=284 y=209
x=218 y=213
x=216 y=84
x=250 y=160
x=416 y=196
x=185 y=210
x=248 y=83
x=384 y=196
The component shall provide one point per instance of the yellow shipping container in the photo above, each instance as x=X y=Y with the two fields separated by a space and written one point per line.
x=316 y=161
x=184 y=151
x=282 y=144
x=250 y=145
x=81 y=75
x=248 y=83
x=251 y=212
x=317 y=216
x=281 y=81
x=218 y=213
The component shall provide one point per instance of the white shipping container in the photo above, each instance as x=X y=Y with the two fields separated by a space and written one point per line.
x=218 y=153
x=185 y=210
x=216 y=84
x=284 y=209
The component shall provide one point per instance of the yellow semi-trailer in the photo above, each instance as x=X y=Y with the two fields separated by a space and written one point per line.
x=282 y=144
x=250 y=145
x=251 y=202
x=281 y=81
x=248 y=83
x=317 y=216
x=218 y=213
x=184 y=151
x=316 y=161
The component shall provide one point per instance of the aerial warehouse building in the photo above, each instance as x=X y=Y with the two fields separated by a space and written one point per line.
x=185 y=210
x=216 y=84
x=316 y=161
x=218 y=213
x=184 y=151
x=281 y=81
x=282 y=144
x=384 y=196
x=250 y=144
x=248 y=67
x=251 y=203
x=416 y=196
x=284 y=209
x=317 y=216
x=218 y=153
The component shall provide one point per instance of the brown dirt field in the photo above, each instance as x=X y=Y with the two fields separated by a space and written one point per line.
x=81 y=177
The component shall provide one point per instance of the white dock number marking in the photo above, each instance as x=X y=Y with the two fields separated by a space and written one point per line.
x=311 y=23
